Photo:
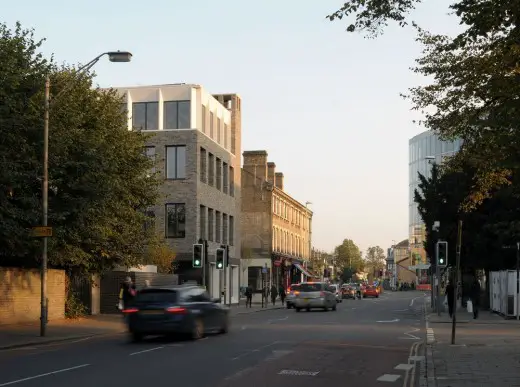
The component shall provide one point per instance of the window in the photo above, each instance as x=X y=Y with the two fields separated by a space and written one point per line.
x=149 y=151
x=145 y=115
x=218 y=227
x=225 y=136
x=176 y=162
x=203 y=220
x=211 y=127
x=219 y=174
x=211 y=224
x=203 y=165
x=231 y=230
x=175 y=220
x=211 y=169
x=231 y=181
x=225 y=229
x=203 y=119
x=176 y=115
x=225 y=178
x=218 y=131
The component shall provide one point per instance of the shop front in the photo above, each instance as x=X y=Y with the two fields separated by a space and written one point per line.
x=288 y=270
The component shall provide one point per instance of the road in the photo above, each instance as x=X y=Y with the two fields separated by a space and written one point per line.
x=370 y=342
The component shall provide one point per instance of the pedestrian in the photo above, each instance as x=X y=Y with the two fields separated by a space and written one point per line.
x=147 y=284
x=450 y=293
x=249 y=296
x=282 y=294
x=274 y=294
x=475 y=297
x=126 y=293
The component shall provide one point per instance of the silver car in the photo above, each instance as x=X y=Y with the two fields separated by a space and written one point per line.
x=315 y=295
x=335 y=289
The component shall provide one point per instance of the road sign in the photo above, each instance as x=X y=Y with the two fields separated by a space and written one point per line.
x=264 y=270
x=41 y=232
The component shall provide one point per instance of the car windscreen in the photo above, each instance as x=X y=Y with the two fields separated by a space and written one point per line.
x=310 y=288
x=156 y=296
x=295 y=287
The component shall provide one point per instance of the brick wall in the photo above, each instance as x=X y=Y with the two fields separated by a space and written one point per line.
x=20 y=295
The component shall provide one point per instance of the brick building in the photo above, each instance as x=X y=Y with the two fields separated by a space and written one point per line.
x=196 y=146
x=276 y=228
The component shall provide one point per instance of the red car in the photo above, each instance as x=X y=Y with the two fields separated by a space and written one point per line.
x=370 y=291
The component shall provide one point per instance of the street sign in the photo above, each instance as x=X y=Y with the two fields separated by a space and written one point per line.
x=41 y=232
x=264 y=270
x=421 y=266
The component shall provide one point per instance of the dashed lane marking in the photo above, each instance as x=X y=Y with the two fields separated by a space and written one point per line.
x=404 y=367
x=298 y=373
x=46 y=374
x=146 y=350
x=388 y=378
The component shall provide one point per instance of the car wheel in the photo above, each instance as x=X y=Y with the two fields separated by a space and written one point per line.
x=198 y=329
x=325 y=309
x=136 y=337
x=225 y=326
x=298 y=309
x=288 y=306
x=377 y=296
x=308 y=309
x=334 y=308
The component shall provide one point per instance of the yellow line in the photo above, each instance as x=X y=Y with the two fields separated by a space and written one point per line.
x=332 y=344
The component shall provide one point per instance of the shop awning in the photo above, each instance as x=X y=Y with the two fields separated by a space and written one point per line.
x=302 y=269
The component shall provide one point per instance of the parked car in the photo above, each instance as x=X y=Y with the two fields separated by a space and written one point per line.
x=181 y=309
x=370 y=291
x=348 y=291
x=336 y=292
x=315 y=295
x=292 y=292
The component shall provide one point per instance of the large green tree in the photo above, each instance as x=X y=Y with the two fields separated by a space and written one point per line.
x=348 y=256
x=374 y=259
x=99 y=183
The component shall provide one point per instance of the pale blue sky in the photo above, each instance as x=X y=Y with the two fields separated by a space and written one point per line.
x=324 y=103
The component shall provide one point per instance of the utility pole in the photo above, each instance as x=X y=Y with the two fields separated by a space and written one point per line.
x=457 y=275
x=438 y=279
x=518 y=280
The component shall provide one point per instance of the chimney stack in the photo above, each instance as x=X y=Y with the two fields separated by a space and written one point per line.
x=255 y=166
x=271 y=170
x=279 y=180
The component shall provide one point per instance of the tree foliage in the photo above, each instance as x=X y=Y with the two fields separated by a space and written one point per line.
x=97 y=168
x=374 y=259
x=349 y=256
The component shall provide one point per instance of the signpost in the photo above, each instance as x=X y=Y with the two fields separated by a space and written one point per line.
x=42 y=232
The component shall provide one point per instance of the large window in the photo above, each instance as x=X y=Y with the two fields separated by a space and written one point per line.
x=175 y=220
x=176 y=115
x=176 y=162
x=203 y=165
x=145 y=115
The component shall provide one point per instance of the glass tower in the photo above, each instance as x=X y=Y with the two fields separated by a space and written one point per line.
x=422 y=148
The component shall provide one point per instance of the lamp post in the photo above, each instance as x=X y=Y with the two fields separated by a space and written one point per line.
x=113 y=56
x=431 y=160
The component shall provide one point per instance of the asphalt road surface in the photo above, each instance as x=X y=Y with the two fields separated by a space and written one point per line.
x=369 y=342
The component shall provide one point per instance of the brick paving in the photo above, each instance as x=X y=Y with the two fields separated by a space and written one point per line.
x=486 y=352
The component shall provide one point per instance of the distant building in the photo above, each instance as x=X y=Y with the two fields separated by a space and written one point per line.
x=276 y=228
x=197 y=147
x=421 y=148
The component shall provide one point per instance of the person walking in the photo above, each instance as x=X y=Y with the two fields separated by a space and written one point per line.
x=274 y=294
x=450 y=293
x=475 y=297
x=249 y=296
x=282 y=294
x=127 y=293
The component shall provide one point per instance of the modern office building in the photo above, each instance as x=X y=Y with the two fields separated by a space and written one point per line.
x=422 y=147
x=276 y=228
x=196 y=144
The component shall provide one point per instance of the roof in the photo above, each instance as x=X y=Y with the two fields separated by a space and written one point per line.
x=403 y=243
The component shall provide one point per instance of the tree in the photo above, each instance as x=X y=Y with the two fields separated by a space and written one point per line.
x=161 y=255
x=375 y=259
x=97 y=168
x=349 y=256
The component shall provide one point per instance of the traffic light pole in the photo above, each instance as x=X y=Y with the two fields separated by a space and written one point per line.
x=438 y=279
x=457 y=281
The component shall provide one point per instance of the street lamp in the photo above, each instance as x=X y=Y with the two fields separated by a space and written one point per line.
x=113 y=56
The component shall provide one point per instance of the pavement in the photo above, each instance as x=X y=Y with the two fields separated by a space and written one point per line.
x=485 y=352
x=369 y=343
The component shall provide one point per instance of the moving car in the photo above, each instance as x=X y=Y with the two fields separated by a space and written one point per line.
x=292 y=292
x=184 y=310
x=348 y=291
x=370 y=291
x=315 y=295
x=336 y=292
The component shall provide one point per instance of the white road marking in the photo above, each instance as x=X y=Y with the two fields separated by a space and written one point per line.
x=409 y=334
x=389 y=321
x=42 y=375
x=277 y=355
x=256 y=350
x=298 y=373
x=416 y=358
x=278 y=319
x=401 y=310
x=240 y=373
x=388 y=378
x=404 y=367
x=146 y=350
x=243 y=327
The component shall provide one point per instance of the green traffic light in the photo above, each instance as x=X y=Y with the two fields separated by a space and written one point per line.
x=197 y=262
x=219 y=265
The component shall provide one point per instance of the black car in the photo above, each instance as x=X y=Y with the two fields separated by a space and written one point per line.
x=184 y=310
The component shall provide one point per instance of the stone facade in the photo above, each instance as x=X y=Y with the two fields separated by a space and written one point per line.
x=202 y=150
x=276 y=228
x=20 y=295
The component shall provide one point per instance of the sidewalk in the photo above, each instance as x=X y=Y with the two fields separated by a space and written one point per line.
x=23 y=335
x=241 y=308
x=485 y=352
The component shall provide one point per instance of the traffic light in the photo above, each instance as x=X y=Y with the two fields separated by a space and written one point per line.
x=442 y=253
x=220 y=259
x=198 y=255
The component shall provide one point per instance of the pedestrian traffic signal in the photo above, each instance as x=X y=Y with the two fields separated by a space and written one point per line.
x=219 y=261
x=198 y=255
x=442 y=253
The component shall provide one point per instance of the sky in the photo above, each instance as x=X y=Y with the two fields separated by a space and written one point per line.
x=324 y=103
